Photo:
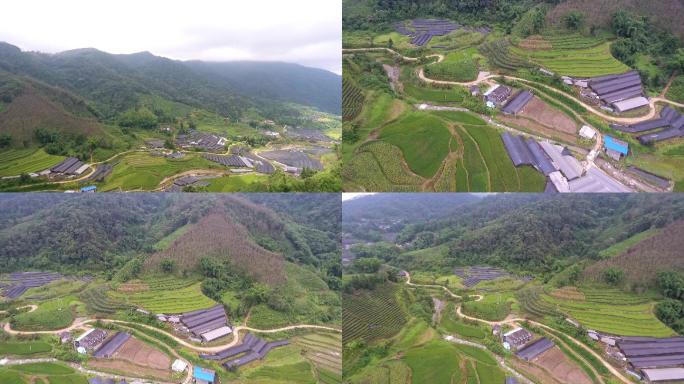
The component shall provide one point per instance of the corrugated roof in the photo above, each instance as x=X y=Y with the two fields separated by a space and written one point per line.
x=568 y=165
x=664 y=374
x=535 y=349
x=518 y=102
x=629 y=104
x=541 y=161
x=109 y=347
x=203 y=374
x=616 y=145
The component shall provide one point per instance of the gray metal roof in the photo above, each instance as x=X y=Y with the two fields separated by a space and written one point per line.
x=541 y=161
x=596 y=181
x=665 y=374
x=112 y=345
x=517 y=149
x=535 y=349
x=517 y=103
x=568 y=165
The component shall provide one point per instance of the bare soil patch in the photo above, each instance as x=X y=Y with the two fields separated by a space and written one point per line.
x=531 y=370
x=142 y=354
x=568 y=293
x=534 y=127
x=561 y=368
x=544 y=114
x=133 y=286
x=535 y=42
x=136 y=358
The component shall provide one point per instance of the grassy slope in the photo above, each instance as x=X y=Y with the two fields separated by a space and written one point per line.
x=17 y=161
x=423 y=139
x=143 y=171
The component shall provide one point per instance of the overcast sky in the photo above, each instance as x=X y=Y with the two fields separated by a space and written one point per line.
x=307 y=32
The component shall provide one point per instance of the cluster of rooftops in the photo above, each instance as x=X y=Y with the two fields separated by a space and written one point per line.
x=564 y=172
x=654 y=359
x=618 y=92
x=251 y=349
x=669 y=125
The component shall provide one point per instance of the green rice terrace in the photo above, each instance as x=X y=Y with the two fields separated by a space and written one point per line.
x=542 y=75
x=436 y=310
x=163 y=311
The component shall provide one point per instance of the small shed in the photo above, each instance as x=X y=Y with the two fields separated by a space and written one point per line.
x=587 y=132
x=179 y=366
x=615 y=147
x=203 y=375
x=474 y=90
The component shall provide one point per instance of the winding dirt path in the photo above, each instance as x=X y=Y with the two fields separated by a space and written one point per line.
x=608 y=366
x=622 y=120
x=81 y=323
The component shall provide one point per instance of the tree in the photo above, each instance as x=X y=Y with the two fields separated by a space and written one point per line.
x=367 y=265
x=5 y=140
x=671 y=284
x=669 y=311
x=167 y=265
x=390 y=43
x=613 y=275
x=169 y=144
x=138 y=118
x=574 y=19
x=307 y=172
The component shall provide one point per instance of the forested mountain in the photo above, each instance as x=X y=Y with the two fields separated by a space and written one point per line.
x=104 y=233
x=80 y=88
x=541 y=233
x=373 y=13
x=406 y=206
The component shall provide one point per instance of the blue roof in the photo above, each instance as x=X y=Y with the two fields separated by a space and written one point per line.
x=88 y=188
x=611 y=143
x=203 y=374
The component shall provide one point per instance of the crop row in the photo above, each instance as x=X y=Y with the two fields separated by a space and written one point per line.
x=352 y=100
x=97 y=301
x=531 y=301
x=372 y=315
x=498 y=54
x=389 y=158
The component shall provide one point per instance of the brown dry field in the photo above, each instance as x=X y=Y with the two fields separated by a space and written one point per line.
x=561 y=368
x=541 y=112
x=124 y=367
x=568 y=293
x=136 y=358
x=533 y=371
x=534 y=127
x=140 y=353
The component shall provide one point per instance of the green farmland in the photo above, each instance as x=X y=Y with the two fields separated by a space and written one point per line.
x=14 y=162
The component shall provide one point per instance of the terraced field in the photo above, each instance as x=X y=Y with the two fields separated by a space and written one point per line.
x=455 y=151
x=376 y=168
x=613 y=312
x=371 y=315
x=99 y=302
x=53 y=373
x=169 y=295
x=572 y=55
x=142 y=171
x=422 y=138
x=14 y=162
x=352 y=100
x=325 y=353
